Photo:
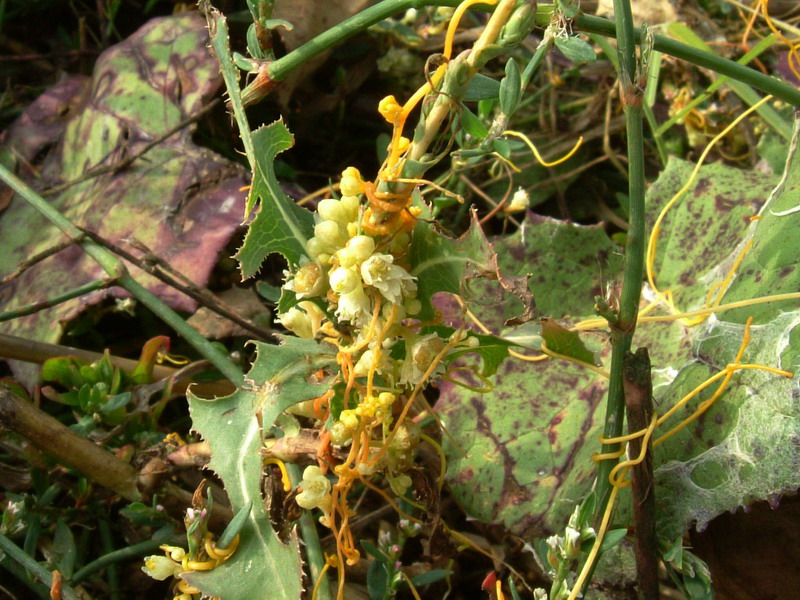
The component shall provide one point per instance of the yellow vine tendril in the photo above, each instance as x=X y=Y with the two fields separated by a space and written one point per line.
x=535 y=151
x=287 y=484
x=652 y=243
x=619 y=472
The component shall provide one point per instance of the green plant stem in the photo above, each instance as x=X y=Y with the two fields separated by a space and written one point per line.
x=622 y=330
x=116 y=269
x=123 y=554
x=280 y=69
x=29 y=309
x=723 y=66
x=29 y=564
x=22 y=576
x=112 y=572
x=310 y=535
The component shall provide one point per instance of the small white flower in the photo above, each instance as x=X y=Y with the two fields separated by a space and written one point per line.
x=308 y=282
x=391 y=280
x=364 y=364
x=354 y=306
x=410 y=17
x=161 y=567
x=316 y=490
x=420 y=353
x=572 y=542
x=303 y=320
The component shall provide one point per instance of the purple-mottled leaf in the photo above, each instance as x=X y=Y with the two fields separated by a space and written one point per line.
x=182 y=201
x=523 y=451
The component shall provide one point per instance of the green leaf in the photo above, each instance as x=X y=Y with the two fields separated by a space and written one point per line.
x=510 y=88
x=576 y=49
x=280 y=225
x=492 y=349
x=472 y=124
x=561 y=340
x=64 y=370
x=746 y=446
x=442 y=264
x=64 y=549
x=542 y=420
x=278 y=379
x=429 y=577
x=481 y=87
x=115 y=402
x=235 y=526
x=612 y=538
x=378 y=581
x=570 y=8
x=268 y=292
x=142 y=88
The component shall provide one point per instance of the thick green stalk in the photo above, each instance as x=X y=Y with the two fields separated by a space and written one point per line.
x=116 y=269
x=622 y=331
x=723 y=66
x=280 y=69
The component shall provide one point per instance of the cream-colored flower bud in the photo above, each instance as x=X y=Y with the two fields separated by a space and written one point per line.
x=349 y=419
x=304 y=320
x=386 y=399
x=351 y=184
x=351 y=205
x=362 y=247
x=364 y=364
x=314 y=247
x=330 y=234
x=519 y=201
x=413 y=306
x=297 y=322
x=340 y=434
x=346 y=258
x=332 y=210
x=344 y=281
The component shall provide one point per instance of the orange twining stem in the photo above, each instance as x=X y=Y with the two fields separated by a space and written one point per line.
x=322 y=405
x=324 y=454
x=417 y=389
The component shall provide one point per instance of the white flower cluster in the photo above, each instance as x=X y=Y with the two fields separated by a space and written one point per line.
x=345 y=264
x=358 y=276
